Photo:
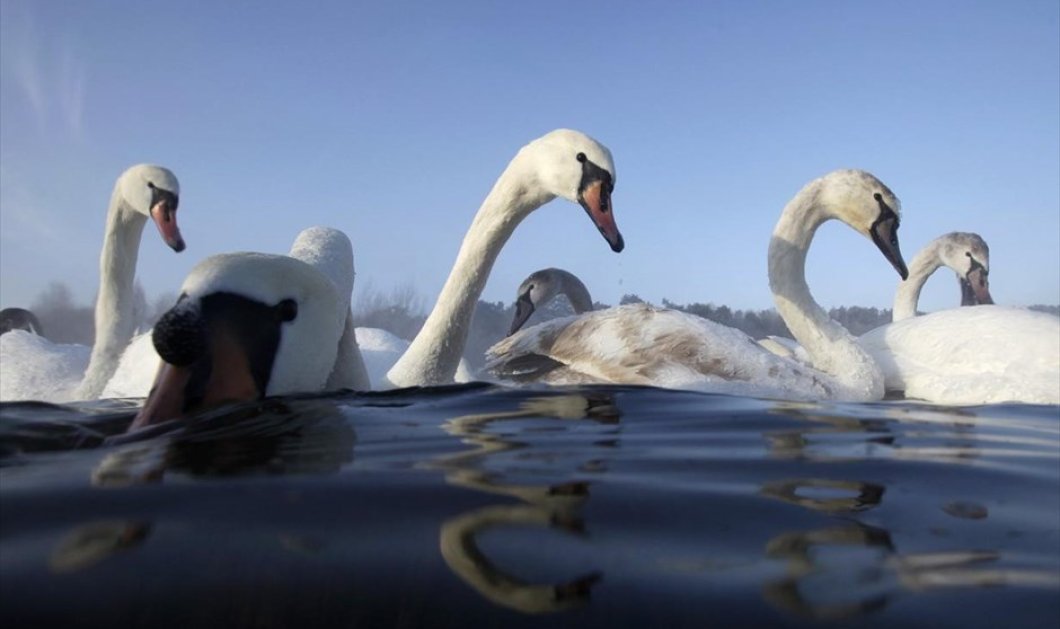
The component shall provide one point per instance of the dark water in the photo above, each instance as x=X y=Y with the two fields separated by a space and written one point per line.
x=487 y=507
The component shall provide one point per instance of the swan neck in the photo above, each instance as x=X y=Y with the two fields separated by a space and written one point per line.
x=115 y=321
x=907 y=296
x=577 y=293
x=433 y=356
x=831 y=347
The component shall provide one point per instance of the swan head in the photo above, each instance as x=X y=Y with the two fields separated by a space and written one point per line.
x=536 y=290
x=969 y=256
x=862 y=201
x=575 y=167
x=154 y=192
x=246 y=325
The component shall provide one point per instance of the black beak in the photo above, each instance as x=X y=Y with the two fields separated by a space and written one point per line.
x=885 y=234
x=523 y=309
x=978 y=285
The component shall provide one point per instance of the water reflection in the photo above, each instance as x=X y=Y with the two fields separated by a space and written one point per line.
x=554 y=506
x=268 y=437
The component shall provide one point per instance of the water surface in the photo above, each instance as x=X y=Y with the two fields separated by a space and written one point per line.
x=481 y=506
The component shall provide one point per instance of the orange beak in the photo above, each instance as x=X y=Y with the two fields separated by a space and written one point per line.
x=597 y=203
x=165 y=217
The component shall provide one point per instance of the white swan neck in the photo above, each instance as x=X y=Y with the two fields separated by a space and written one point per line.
x=434 y=354
x=907 y=296
x=831 y=347
x=114 y=317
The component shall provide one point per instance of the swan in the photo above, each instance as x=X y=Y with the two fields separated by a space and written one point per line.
x=544 y=285
x=978 y=355
x=642 y=344
x=19 y=319
x=966 y=253
x=326 y=249
x=248 y=325
x=60 y=373
x=563 y=163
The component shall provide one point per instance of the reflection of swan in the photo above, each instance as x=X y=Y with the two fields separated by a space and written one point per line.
x=977 y=355
x=640 y=344
x=19 y=319
x=40 y=372
x=254 y=324
x=877 y=572
x=553 y=506
x=965 y=253
x=562 y=163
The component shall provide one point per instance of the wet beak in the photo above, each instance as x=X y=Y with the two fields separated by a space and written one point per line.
x=223 y=376
x=885 y=234
x=523 y=309
x=597 y=203
x=165 y=217
x=980 y=285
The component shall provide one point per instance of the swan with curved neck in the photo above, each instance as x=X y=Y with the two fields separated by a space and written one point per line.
x=141 y=192
x=966 y=253
x=249 y=325
x=541 y=287
x=563 y=163
x=640 y=344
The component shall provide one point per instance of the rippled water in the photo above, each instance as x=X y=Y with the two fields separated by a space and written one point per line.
x=480 y=506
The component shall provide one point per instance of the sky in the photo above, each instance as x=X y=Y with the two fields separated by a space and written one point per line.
x=391 y=121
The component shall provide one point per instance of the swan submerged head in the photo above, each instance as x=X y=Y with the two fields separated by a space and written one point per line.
x=862 y=201
x=573 y=166
x=246 y=325
x=154 y=192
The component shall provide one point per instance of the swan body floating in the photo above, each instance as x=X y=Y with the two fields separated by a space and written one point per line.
x=37 y=371
x=978 y=355
x=562 y=163
x=641 y=344
x=249 y=325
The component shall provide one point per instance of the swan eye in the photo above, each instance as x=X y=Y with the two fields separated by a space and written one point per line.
x=582 y=157
x=877 y=196
x=287 y=310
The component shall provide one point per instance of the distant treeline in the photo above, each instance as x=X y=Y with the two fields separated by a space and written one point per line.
x=402 y=312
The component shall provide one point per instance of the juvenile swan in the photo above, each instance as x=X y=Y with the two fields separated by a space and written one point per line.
x=641 y=344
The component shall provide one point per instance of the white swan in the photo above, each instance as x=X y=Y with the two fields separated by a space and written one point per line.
x=39 y=370
x=966 y=253
x=326 y=249
x=641 y=344
x=562 y=163
x=254 y=324
x=978 y=355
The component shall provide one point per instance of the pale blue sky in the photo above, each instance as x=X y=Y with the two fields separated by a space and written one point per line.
x=392 y=120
